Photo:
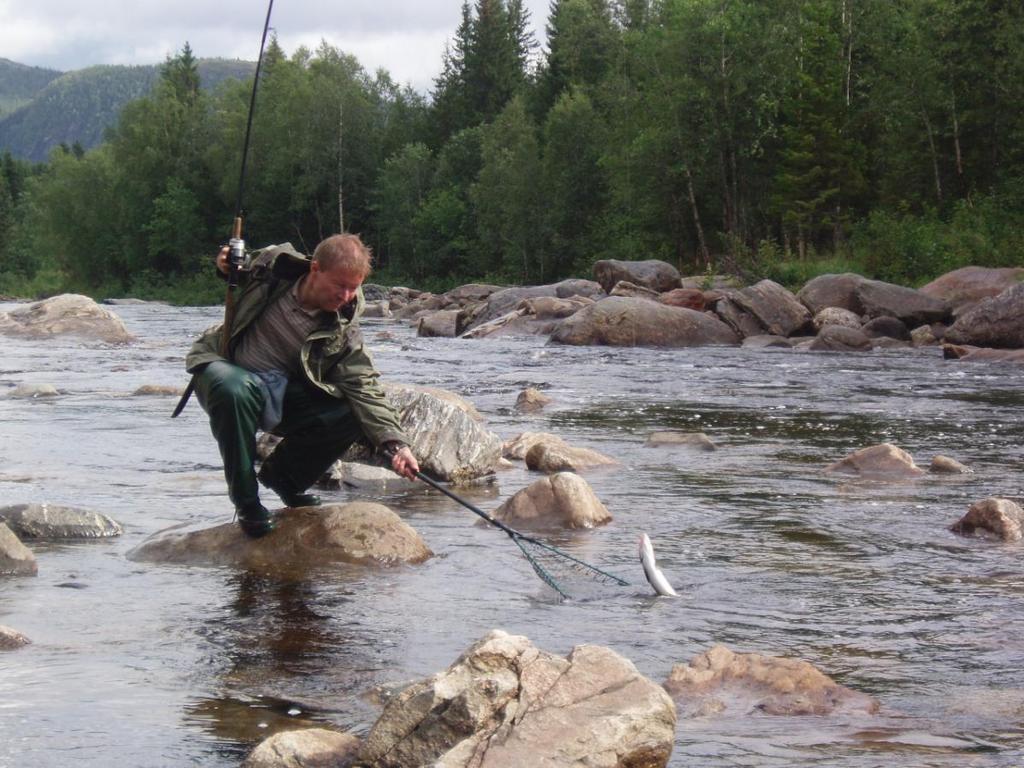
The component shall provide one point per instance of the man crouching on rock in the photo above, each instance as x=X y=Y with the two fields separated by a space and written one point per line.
x=295 y=367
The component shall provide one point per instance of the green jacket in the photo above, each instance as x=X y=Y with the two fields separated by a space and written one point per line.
x=332 y=357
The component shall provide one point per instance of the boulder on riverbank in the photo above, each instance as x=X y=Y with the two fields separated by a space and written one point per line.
x=1000 y=518
x=621 y=322
x=885 y=461
x=360 y=532
x=722 y=681
x=994 y=322
x=305 y=748
x=658 y=276
x=778 y=311
x=11 y=639
x=508 y=299
x=872 y=298
x=505 y=702
x=15 y=558
x=66 y=315
x=564 y=500
x=52 y=521
x=963 y=288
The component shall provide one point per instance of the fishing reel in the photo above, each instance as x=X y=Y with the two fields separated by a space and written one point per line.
x=236 y=253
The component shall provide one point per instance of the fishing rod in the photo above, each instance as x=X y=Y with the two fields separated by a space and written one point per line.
x=533 y=549
x=236 y=245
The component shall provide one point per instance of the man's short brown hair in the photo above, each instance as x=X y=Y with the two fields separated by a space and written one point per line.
x=346 y=252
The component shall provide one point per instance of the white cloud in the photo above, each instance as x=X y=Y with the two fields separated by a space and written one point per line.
x=405 y=37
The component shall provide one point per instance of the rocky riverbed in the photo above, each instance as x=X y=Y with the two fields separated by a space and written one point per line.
x=836 y=606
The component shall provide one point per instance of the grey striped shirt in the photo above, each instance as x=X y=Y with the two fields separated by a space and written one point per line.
x=273 y=341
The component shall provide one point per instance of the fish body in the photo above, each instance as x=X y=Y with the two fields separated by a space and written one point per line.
x=652 y=573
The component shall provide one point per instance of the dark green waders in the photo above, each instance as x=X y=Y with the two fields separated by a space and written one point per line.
x=316 y=429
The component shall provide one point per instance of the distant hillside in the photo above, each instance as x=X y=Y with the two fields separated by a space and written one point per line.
x=20 y=83
x=78 y=106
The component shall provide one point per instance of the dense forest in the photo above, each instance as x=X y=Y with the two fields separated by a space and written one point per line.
x=778 y=139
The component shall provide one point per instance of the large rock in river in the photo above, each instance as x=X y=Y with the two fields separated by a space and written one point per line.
x=962 y=288
x=10 y=639
x=446 y=431
x=51 y=521
x=720 y=680
x=621 y=322
x=359 y=532
x=1001 y=518
x=67 y=314
x=505 y=301
x=304 y=748
x=15 y=558
x=883 y=461
x=776 y=309
x=994 y=322
x=561 y=457
x=506 y=703
x=659 y=276
x=563 y=499
x=873 y=298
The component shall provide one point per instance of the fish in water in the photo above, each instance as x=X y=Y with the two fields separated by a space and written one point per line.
x=651 y=571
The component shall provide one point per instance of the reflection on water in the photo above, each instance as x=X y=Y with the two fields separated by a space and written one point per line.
x=143 y=665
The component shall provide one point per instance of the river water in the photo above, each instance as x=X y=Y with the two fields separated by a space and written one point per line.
x=143 y=665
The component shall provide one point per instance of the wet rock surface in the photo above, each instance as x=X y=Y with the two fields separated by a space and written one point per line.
x=305 y=748
x=11 y=639
x=562 y=500
x=359 y=532
x=560 y=457
x=994 y=322
x=15 y=558
x=506 y=703
x=1002 y=519
x=722 y=681
x=52 y=521
x=884 y=461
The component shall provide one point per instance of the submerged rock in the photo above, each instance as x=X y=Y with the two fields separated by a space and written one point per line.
x=884 y=461
x=162 y=390
x=506 y=703
x=11 y=639
x=564 y=499
x=518 y=446
x=15 y=558
x=673 y=439
x=1001 y=518
x=360 y=532
x=305 y=748
x=50 y=521
x=621 y=322
x=531 y=400
x=944 y=465
x=722 y=681
x=67 y=314
x=33 y=391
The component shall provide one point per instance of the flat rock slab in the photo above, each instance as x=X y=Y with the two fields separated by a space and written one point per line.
x=999 y=518
x=50 y=521
x=564 y=499
x=304 y=748
x=884 y=461
x=66 y=315
x=721 y=681
x=15 y=558
x=505 y=704
x=360 y=533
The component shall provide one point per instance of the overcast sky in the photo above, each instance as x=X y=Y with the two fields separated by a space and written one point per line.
x=405 y=37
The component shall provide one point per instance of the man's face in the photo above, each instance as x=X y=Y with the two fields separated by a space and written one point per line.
x=331 y=289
